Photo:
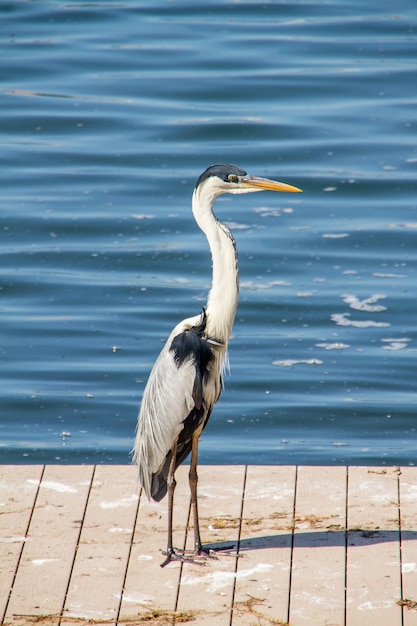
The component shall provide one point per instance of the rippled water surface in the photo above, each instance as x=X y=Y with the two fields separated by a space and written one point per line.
x=109 y=113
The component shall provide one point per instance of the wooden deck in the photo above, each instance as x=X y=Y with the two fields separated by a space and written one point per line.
x=317 y=546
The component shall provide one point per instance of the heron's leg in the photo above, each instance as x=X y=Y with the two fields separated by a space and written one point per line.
x=171 y=488
x=174 y=554
x=193 y=477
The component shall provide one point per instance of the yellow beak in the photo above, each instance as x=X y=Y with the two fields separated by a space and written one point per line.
x=254 y=182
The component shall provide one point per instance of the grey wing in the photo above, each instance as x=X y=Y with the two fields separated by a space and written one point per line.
x=174 y=391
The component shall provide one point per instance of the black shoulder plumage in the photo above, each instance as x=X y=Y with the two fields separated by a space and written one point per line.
x=190 y=345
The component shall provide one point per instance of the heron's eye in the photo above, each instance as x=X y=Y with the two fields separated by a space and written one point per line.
x=232 y=178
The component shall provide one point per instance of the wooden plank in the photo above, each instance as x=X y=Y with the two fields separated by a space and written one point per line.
x=408 y=509
x=318 y=565
x=263 y=573
x=96 y=583
x=207 y=591
x=373 y=560
x=18 y=490
x=48 y=553
x=150 y=589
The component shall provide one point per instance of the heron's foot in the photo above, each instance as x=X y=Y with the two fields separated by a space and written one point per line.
x=198 y=556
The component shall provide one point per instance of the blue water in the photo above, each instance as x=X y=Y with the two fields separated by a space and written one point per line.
x=109 y=113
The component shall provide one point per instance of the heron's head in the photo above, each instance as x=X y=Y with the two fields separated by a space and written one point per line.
x=226 y=178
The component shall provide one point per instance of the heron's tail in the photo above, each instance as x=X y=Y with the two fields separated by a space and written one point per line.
x=159 y=485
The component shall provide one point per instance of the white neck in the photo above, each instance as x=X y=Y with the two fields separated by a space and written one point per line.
x=223 y=296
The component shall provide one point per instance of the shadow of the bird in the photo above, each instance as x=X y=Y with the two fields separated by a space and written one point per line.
x=313 y=539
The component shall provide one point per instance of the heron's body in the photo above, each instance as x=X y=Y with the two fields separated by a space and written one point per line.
x=190 y=362
x=186 y=380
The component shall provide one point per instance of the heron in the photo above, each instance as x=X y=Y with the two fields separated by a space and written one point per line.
x=187 y=377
